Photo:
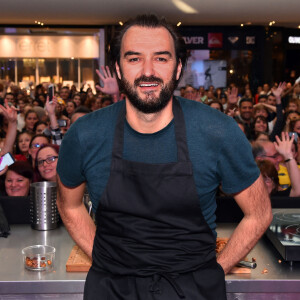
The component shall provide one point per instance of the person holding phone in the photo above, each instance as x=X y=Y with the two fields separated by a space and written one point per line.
x=152 y=165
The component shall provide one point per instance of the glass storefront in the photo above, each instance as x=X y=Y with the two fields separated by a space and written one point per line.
x=40 y=70
x=69 y=58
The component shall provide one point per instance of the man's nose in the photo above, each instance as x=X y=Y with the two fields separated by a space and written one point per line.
x=148 y=69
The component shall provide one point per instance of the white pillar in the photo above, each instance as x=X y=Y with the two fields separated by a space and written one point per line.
x=16 y=72
x=79 y=75
x=37 y=73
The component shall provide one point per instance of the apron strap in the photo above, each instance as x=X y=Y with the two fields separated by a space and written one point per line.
x=155 y=288
x=180 y=133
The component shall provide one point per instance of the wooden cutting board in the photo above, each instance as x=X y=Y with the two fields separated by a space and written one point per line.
x=78 y=261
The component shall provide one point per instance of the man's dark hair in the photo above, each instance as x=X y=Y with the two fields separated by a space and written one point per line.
x=265 y=96
x=245 y=100
x=271 y=94
x=148 y=21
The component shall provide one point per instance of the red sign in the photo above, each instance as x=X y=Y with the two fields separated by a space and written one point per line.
x=215 y=40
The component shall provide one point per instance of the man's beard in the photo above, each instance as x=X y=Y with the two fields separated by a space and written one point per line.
x=150 y=104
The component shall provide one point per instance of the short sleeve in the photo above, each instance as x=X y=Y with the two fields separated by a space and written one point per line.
x=69 y=167
x=236 y=166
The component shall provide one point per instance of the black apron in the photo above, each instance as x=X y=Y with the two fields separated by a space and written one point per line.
x=152 y=241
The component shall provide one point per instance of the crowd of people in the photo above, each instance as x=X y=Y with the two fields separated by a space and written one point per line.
x=271 y=121
x=32 y=127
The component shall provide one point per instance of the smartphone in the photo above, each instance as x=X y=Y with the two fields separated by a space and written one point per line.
x=296 y=136
x=62 y=123
x=50 y=92
x=6 y=160
x=47 y=132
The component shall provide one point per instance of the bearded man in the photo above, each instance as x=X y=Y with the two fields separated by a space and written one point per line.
x=152 y=164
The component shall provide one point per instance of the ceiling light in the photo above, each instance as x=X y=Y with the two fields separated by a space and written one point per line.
x=299 y=26
x=242 y=25
x=178 y=24
x=181 y=5
x=121 y=23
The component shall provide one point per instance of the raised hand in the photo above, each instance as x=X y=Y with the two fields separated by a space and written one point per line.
x=232 y=95
x=284 y=145
x=277 y=92
x=9 y=112
x=50 y=106
x=110 y=84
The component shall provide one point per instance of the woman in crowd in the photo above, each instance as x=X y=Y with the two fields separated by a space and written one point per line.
x=271 y=180
x=77 y=99
x=39 y=127
x=260 y=124
x=294 y=126
x=18 y=178
x=70 y=108
x=46 y=161
x=22 y=145
x=36 y=143
x=31 y=117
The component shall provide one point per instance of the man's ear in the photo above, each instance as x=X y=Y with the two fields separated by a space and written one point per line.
x=118 y=71
x=179 y=69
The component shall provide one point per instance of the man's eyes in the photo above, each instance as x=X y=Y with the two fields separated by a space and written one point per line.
x=133 y=59
x=161 y=59
x=137 y=59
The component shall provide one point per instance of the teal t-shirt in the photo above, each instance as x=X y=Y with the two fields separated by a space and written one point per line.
x=218 y=150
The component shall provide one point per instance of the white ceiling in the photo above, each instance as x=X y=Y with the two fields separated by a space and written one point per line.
x=190 y=12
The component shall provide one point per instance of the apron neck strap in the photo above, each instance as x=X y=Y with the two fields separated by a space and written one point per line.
x=180 y=132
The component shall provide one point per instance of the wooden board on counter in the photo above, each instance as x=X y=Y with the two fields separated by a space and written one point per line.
x=78 y=261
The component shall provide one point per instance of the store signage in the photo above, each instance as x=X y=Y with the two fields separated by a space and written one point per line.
x=233 y=39
x=18 y=46
x=215 y=40
x=250 y=40
x=294 y=39
x=194 y=40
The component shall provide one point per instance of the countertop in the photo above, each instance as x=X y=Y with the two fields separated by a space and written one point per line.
x=14 y=278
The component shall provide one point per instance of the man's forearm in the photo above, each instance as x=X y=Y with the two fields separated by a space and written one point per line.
x=255 y=203
x=243 y=239
x=80 y=227
x=76 y=218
